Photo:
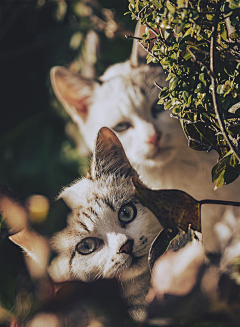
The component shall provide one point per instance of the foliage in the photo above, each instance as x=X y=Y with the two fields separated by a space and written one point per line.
x=198 y=43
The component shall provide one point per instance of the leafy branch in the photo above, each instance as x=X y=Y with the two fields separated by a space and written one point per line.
x=215 y=100
x=198 y=44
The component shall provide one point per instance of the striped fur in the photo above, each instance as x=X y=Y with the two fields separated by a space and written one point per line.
x=95 y=202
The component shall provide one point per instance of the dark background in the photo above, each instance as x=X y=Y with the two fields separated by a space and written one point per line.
x=36 y=155
x=34 y=37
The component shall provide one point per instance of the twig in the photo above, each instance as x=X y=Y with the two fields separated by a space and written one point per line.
x=139 y=38
x=186 y=120
x=146 y=49
x=138 y=18
x=199 y=62
x=232 y=59
x=147 y=5
x=200 y=51
x=214 y=97
x=222 y=202
x=157 y=85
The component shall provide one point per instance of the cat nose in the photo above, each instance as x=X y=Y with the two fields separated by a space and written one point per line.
x=154 y=138
x=127 y=247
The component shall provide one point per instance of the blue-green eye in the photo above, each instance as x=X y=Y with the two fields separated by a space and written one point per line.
x=122 y=127
x=88 y=245
x=156 y=109
x=127 y=213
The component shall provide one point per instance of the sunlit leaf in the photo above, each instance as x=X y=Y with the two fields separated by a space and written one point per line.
x=226 y=170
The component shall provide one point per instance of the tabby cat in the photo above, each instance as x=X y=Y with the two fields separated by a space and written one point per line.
x=109 y=232
x=125 y=100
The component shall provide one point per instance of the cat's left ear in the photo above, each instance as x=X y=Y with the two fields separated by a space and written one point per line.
x=138 y=55
x=109 y=156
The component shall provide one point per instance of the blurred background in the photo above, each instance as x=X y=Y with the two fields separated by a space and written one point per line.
x=37 y=153
x=88 y=36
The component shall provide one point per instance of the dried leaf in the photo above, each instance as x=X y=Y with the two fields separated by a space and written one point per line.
x=173 y=208
x=159 y=246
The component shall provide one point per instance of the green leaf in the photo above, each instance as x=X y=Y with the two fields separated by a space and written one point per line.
x=177 y=110
x=173 y=83
x=181 y=3
x=149 y=59
x=164 y=93
x=234 y=4
x=179 y=28
x=226 y=170
x=185 y=96
x=209 y=17
x=224 y=35
x=187 y=56
x=170 y=6
x=167 y=33
x=202 y=79
x=204 y=137
x=169 y=104
x=220 y=89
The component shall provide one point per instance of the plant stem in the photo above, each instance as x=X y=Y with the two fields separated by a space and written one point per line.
x=222 y=202
x=218 y=113
x=157 y=85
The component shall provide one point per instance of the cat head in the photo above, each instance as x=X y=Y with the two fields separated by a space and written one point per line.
x=125 y=100
x=109 y=232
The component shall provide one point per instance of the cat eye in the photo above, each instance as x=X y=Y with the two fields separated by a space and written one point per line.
x=88 y=245
x=122 y=127
x=127 y=213
x=157 y=109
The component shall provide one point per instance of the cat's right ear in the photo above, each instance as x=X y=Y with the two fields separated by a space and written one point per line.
x=109 y=156
x=73 y=91
x=138 y=55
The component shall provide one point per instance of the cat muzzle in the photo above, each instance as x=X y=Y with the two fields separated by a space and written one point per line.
x=127 y=247
x=154 y=139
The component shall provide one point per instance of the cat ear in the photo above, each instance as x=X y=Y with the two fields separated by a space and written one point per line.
x=73 y=91
x=109 y=156
x=138 y=54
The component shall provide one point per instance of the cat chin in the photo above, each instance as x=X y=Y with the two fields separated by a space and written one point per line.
x=158 y=160
x=135 y=269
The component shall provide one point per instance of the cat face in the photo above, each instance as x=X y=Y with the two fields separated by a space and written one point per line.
x=125 y=101
x=109 y=233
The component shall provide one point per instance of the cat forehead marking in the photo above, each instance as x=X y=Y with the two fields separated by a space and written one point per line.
x=91 y=200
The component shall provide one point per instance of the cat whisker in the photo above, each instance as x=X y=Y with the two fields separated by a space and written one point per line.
x=97 y=276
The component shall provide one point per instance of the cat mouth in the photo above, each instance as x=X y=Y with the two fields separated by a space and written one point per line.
x=159 y=152
x=136 y=261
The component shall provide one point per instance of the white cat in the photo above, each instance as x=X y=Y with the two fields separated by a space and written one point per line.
x=125 y=100
x=109 y=232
